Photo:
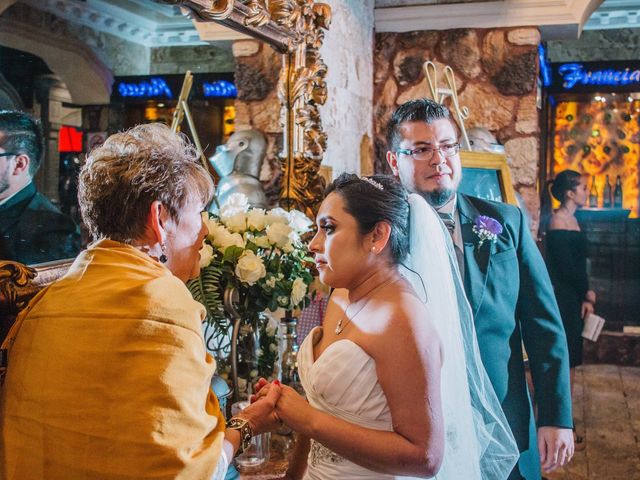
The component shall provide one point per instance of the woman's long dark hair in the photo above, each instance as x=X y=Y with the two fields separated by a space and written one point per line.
x=566 y=181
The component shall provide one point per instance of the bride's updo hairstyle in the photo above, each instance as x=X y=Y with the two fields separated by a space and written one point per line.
x=378 y=198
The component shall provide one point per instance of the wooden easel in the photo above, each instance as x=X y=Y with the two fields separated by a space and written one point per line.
x=182 y=110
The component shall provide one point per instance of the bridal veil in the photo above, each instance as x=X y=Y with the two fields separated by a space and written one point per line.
x=478 y=441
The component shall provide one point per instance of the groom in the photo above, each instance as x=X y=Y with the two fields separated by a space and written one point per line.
x=506 y=282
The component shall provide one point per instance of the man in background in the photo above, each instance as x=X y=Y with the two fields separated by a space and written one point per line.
x=32 y=229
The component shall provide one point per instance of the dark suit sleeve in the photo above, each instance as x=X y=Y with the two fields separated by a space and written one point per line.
x=543 y=335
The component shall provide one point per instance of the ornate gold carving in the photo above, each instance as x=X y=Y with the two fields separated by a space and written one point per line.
x=19 y=284
x=206 y=9
x=14 y=291
x=296 y=28
x=259 y=14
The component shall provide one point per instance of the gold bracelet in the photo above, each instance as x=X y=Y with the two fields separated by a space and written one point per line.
x=244 y=429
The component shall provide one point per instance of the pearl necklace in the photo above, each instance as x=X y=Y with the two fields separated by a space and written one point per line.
x=340 y=326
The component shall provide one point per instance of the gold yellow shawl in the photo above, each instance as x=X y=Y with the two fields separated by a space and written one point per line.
x=108 y=377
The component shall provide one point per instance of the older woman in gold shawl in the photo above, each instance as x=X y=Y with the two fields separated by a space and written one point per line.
x=108 y=375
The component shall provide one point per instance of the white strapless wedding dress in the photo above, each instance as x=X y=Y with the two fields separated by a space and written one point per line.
x=343 y=382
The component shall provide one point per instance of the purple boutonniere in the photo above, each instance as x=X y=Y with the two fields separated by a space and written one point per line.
x=486 y=228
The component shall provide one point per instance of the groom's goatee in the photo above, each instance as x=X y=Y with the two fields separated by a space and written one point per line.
x=438 y=198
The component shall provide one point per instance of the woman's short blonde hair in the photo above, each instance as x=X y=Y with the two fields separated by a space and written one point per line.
x=131 y=170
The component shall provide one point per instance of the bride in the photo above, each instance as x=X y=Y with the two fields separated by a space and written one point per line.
x=393 y=379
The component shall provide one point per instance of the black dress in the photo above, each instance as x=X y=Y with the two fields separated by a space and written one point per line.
x=566 y=258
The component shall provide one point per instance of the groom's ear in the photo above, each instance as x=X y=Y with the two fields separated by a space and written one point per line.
x=392 y=160
x=380 y=236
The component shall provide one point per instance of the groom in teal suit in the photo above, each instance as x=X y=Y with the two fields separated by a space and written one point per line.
x=506 y=282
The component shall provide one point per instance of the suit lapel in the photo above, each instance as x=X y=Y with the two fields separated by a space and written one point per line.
x=476 y=260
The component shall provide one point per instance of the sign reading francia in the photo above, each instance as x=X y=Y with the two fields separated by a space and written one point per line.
x=156 y=87
x=574 y=73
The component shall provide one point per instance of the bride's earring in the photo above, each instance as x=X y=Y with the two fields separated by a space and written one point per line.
x=163 y=258
x=374 y=250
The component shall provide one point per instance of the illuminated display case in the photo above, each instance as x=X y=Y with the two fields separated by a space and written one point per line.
x=592 y=125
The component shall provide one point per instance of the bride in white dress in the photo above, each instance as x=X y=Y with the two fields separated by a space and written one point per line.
x=393 y=381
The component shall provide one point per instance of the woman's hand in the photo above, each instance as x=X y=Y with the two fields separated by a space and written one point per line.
x=261 y=414
x=293 y=409
x=587 y=308
x=590 y=296
x=261 y=389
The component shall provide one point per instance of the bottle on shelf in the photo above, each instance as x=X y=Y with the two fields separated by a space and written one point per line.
x=593 y=194
x=606 y=194
x=617 y=193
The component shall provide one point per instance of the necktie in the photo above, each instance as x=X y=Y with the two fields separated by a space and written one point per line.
x=449 y=221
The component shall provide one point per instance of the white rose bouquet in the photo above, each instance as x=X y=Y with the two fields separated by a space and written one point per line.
x=263 y=256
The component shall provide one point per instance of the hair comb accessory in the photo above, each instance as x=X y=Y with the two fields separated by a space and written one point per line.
x=373 y=183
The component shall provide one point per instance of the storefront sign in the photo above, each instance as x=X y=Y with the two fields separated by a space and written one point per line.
x=595 y=76
x=154 y=88
x=221 y=88
x=143 y=88
x=575 y=72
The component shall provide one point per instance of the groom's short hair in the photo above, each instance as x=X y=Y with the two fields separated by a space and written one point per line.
x=418 y=110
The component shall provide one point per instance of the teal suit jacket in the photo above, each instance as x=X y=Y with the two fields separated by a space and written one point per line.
x=513 y=302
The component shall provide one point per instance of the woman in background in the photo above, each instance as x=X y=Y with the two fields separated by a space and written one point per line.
x=108 y=375
x=566 y=259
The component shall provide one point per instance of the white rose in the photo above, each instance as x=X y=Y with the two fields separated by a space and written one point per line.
x=259 y=352
x=288 y=248
x=299 y=221
x=256 y=219
x=298 y=291
x=273 y=347
x=277 y=215
x=278 y=234
x=206 y=255
x=211 y=223
x=253 y=373
x=226 y=239
x=271 y=330
x=261 y=241
x=250 y=268
x=236 y=223
x=235 y=203
x=216 y=231
x=283 y=301
x=271 y=282
x=242 y=385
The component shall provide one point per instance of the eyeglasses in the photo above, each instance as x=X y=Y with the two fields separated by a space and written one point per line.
x=426 y=153
x=7 y=154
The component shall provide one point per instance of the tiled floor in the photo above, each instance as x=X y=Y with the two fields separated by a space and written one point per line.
x=607 y=412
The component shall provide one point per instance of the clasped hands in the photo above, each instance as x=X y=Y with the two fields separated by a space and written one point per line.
x=290 y=407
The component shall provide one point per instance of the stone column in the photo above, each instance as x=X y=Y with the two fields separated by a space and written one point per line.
x=51 y=94
x=347 y=115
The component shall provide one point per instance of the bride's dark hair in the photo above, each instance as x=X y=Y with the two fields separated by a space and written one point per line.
x=378 y=198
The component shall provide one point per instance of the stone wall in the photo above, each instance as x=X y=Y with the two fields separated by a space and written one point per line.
x=213 y=58
x=347 y=114
x=597 y=45
x=496 y=72
x=257 y=68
